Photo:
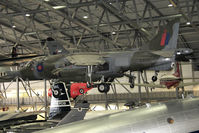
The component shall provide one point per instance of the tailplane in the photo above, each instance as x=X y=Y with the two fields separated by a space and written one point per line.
x=76 y=114
x=166 y=38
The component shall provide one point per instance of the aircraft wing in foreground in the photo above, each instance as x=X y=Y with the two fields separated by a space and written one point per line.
x=177 y=116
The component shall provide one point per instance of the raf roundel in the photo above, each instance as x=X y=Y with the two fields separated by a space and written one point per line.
x=40 y=67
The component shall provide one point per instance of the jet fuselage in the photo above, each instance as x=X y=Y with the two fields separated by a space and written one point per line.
x=59 y=67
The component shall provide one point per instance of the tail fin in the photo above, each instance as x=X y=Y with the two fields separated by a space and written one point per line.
x=166 y=38
x=76 y=114
x=14 y=52
x=55 y=47
x=177 y=72
x=60 y=105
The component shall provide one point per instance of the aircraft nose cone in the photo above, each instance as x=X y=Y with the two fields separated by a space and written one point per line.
x=2 y=74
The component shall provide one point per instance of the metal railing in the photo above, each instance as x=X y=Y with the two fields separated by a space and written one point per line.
x=101 y=98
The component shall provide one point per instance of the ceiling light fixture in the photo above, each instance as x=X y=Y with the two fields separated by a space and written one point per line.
x=188 y=23
x=85 y=16
x=170 y=5
x=59 y=7
x=30 y=33
x=27 y=15
x=113 y=32
x=46 y=0
x=13 y=26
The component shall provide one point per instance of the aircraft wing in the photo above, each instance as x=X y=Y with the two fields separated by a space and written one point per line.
x=9 y=76
x=6 y=79
x=151 y=85
x=76 y=114
x=188 y=84
x=8 y=61
x=87 y=60
x=188 y=78
x=15 y=118
x=164 y=53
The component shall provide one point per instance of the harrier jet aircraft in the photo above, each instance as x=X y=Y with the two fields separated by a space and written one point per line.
x=158 y=55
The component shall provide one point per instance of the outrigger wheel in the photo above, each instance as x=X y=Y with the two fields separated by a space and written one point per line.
x=131 y=81
x=154 y=78
x=132 y=85
x=103 y=88
x=56 y=92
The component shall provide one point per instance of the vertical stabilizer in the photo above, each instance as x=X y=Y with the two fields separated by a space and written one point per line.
x=55 y=47
x=166 y=38
x=76 y=114
x=60 y=105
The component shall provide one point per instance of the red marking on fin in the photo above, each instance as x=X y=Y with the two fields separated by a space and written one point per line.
x=164 y=35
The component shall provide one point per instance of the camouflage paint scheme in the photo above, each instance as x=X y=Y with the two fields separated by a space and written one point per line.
x=74 y=67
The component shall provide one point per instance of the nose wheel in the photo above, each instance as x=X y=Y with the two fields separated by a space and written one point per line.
x=56 y=92
x=103 y=88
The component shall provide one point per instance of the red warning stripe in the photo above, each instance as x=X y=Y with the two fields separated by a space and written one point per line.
x=164 y=35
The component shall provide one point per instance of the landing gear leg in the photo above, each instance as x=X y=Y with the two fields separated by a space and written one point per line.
x=183 y=93
x=89 y=71
x=131 y=80
x=177 y=92
x=88 y=84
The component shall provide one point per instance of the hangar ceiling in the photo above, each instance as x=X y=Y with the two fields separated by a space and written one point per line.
x=93 y=25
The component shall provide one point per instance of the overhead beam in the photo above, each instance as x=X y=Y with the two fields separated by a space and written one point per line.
x=75 y=21
x=119 y=23
x=12 y=40
x=153 y=7
x=18 y=13
x=14 y=8
x=91 y=3
x=122 y=17
x=187 y=18
x=97 y=2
